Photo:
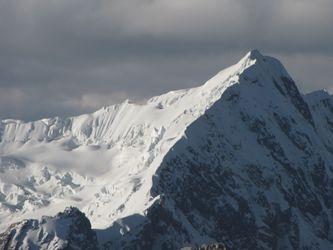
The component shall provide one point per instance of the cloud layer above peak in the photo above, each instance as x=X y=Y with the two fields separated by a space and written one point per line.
x=64 y=57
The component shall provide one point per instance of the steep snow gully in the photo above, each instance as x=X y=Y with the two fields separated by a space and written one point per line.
x=245 y=159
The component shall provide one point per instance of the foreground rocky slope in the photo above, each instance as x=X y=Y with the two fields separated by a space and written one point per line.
x=67 y=230
x=244 y=159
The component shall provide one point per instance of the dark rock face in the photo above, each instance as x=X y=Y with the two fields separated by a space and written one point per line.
x=254 y=172
x=67 y=230
x=321 y=105
x=297 y=99
x=161 y=224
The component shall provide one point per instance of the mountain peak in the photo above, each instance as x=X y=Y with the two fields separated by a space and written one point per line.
x=251 y=57
x=254 y=54
x=317 y=96
x=269 y=64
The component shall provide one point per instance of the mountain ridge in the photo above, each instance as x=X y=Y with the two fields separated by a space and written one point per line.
x=109 y=130
x=141 y=171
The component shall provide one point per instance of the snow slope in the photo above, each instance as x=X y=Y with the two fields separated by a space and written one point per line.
x=162 y=174
x=100 y=162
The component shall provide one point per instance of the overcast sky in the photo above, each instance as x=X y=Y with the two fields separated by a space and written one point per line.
x=66 y=57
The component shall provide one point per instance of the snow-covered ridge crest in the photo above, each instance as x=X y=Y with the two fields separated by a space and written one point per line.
x=110 y=124
x=103 y=162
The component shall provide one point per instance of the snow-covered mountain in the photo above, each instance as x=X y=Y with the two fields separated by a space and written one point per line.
x=244 y=159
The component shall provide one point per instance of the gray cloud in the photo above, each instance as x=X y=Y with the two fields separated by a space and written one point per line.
x=64 y=57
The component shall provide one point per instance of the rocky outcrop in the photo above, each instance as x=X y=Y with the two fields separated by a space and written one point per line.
x=67 y=230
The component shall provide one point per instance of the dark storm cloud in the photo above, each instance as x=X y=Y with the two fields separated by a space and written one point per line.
x=63 y=57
